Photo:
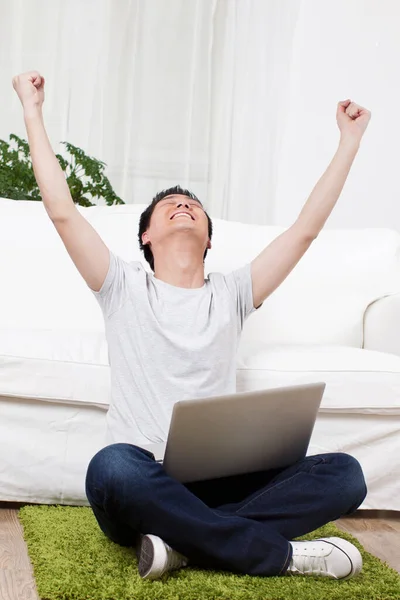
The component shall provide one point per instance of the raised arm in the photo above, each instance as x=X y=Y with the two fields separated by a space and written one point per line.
x=271 y=267
x=89 y=253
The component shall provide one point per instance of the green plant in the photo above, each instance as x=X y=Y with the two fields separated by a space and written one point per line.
x=84 y=174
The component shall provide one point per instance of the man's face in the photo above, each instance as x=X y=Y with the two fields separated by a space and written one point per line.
x=175 y=214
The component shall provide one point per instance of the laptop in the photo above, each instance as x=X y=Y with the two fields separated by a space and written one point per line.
x=239 y=433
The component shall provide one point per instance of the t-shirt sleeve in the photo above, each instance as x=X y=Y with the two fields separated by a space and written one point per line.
x=239 y=284
x=113 y=292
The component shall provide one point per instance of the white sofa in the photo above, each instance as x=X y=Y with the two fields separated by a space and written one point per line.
x=335 y=319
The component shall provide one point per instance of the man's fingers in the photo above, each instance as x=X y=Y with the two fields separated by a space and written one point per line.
x=342 y=106
x=354 y=110
x=36 y=80
x=34 y=77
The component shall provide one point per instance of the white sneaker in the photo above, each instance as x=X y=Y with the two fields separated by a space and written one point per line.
x=156 y=558
x=327 y=557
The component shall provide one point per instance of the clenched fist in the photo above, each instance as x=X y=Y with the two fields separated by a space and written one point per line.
x=30 y=89
x=352 y=118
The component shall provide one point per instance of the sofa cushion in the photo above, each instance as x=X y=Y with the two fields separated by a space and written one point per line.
x=358 y=381
x=66 y=367
x=72 y=368
x=323 y=301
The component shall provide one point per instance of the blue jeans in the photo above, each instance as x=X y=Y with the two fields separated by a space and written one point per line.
x=240 y=524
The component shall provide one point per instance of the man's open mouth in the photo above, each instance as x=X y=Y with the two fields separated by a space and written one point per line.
x=182 y=215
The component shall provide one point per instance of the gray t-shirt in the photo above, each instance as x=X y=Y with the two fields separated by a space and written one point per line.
x=167 y=343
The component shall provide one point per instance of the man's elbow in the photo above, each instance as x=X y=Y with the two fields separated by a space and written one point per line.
x=306 y=235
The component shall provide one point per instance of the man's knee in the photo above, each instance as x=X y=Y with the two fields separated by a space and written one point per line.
x=113 y=468
x=353 y=489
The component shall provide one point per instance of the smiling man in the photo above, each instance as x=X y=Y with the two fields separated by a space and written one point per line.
x=173 y=334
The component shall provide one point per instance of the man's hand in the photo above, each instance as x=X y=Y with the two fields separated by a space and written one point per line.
x=352 y=119
x=30 y=89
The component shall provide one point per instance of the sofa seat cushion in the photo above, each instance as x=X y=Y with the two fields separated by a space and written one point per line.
x=67 y=367
x=71 y=367
x=358 y=381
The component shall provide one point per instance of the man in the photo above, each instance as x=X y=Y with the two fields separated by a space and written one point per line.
x=172 y=335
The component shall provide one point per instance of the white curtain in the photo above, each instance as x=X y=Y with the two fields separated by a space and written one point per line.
x=164 y=91
x=251 y=61
x=234 y=99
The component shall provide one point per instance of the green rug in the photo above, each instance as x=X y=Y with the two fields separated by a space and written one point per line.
x=73 y=560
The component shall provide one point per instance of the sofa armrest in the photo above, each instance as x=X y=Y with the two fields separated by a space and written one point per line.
x=382 y=325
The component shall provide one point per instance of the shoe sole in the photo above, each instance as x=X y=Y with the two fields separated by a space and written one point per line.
x=145 y=557
x=348 y=549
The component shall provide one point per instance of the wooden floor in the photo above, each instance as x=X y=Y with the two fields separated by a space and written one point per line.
x=378 y=531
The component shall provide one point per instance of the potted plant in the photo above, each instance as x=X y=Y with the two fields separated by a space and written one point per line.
x=84 y=174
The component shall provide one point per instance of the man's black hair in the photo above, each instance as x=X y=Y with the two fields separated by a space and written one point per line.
x=145 y=217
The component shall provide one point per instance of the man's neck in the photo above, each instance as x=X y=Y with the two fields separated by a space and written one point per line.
x=181 y=268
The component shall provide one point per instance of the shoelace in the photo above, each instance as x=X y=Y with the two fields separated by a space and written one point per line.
x=315 y=562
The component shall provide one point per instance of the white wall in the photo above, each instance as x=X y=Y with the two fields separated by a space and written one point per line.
x=344 y=49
